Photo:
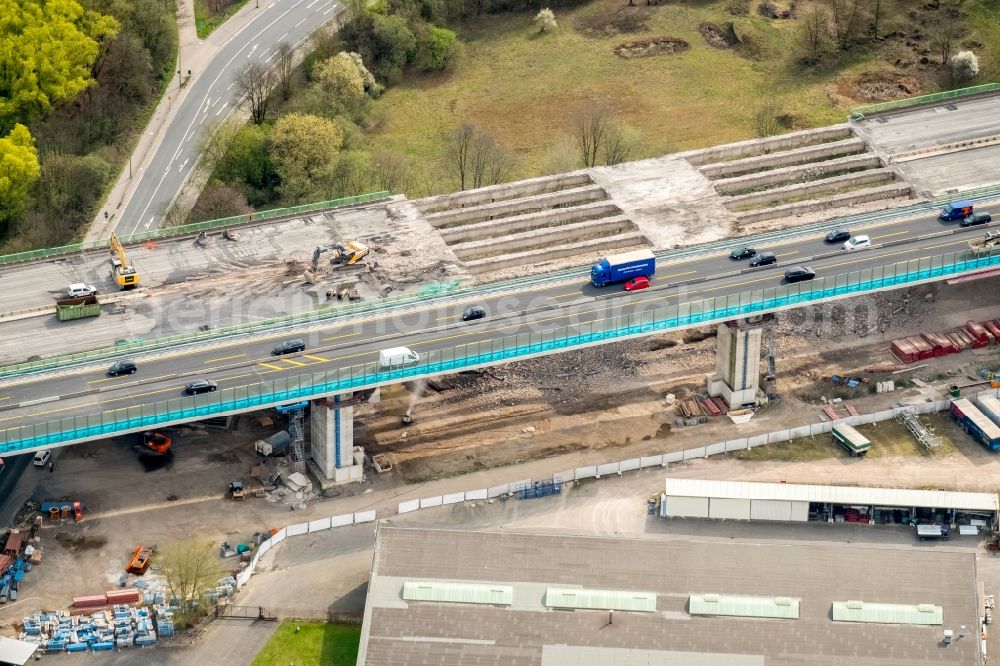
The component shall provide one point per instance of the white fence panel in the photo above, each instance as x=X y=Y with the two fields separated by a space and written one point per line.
x=608 y=468
x=427 y=502
x=651 y=461
x=820 y=428
x=673 y=456
x=475 y=494
x=297 y=529
x=568 y=476
x=277 y=537
x=321 y=524
x=523 y=483
x=342 y=521
x=690 y=454
x=264 y=547
x=884 y=415
x=408 y=506
x=756 y=440
x=715 y=449
x=780 y=436
x=737 y=444
x=497 y=491
x=453 y=498
x=243 y=576
x=364 y=517
x=801 y=431
x=586 y=472
x=628 y=465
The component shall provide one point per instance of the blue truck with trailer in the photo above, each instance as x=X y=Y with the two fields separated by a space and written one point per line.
x=976 y=423
x=621 y=267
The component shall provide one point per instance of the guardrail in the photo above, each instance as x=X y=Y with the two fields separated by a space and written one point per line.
x=170 y=232
x=451 y=290
x=859 y=112
x=481 y=354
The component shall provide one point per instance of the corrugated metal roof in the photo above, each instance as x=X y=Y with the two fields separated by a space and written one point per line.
x=562 y=597
x=936 y=499
x=459 y=593
x=719 y=604
x=860 y=611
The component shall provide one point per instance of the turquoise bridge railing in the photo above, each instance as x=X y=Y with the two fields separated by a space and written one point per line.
x=461 y=357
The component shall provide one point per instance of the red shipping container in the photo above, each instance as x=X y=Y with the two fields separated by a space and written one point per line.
x=128 y=596
x=13 y=546
x=92 y=601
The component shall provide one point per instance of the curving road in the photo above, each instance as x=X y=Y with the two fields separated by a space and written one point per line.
x=348 y=342
x=210 y=99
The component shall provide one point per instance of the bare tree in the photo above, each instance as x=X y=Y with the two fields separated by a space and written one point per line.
x=845 y=19
x=592 y=123
x=876 y=15
x=253 y=85
x=767 y=119
x=189 y=568
x=458 y=155
x=390 y=171
x=943 y=36
x=815 y=34
x=284 y=70
x=215 y=140
x=619 y=144
x=490 y=163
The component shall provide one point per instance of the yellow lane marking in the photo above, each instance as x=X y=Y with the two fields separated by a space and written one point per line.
x=897 y=233
x=106 y=379
x=6 y=397
x=338 y=337
x=224 y=358
x=292 y=362
x=140 y=395
x=50 y=411
x=673 y=275
x=893 y=254
x=785 y=254
x=568 y=294
x=268 y=365
x=249 y=374
x=316 y=358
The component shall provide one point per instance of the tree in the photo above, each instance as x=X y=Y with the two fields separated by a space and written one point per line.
x=619 y=144
x=964 y=66
x=592 y=123
x=943 y=36
x=18 y=171
x=814 y=34
x=70 y=186
x=302 y=149
x=457 y=155
x=546 y=20
x=253 y=85
x=48 y=49
x=216 y=139
x=390 y=171
x=372 y=87
x=876 y=15
x=284 y=70
x=341 y=81
x=246 y=159
x=217 y=201
x=436 y=49
x=845 y=19
x=348 y=175
x=476 y=159
x=189 y=567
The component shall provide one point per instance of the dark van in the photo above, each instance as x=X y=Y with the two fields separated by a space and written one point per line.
x=956 y=210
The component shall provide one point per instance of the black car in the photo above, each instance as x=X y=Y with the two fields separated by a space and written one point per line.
x=289 y=347
x=763 y=259
x=123 y=367
x=977 y=218
x=838 y=236
x=799 y=274
x=200 y=386
x=742 y=253
x=475 y=312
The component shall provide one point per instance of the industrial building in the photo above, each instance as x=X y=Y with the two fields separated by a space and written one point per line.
x=507 y=598
x=972 y=513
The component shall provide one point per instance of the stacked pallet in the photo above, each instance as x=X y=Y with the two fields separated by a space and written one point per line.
x=121 y=626
x=974 y=335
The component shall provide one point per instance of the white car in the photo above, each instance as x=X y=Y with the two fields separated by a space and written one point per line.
x=858 y=243
x=80 y=289
x=42 y=458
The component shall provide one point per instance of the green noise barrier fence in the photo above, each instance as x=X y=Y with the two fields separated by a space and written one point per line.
x=860 y=112
x=171 y=232
x=489 y=352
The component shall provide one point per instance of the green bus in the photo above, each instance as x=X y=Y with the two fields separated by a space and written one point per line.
x=852 y=440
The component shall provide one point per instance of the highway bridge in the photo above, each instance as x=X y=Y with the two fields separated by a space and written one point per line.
x=79 y=403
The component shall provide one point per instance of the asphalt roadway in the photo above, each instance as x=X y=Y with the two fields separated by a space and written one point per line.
x=353 y=341
x=211 y=100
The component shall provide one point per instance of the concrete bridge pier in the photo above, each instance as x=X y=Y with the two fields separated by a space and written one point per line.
x=334 y=456
x=737 y=361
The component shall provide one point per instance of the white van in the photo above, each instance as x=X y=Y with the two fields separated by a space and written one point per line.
x=397 y=356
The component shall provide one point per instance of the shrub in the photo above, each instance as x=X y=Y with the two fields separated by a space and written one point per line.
x=964 y=66
x=545 y=20
x=436 y=49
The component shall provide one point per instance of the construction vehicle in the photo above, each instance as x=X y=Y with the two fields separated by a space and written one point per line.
x=139 y=561
x=986 y=245
x=122 y=271
x=77 y=308
x=236 y=491
x=154 y=444
x=347 y=255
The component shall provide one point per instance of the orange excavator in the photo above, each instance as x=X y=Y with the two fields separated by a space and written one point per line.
x=153 y=444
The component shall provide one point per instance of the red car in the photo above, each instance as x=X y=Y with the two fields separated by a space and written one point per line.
x=637 y=283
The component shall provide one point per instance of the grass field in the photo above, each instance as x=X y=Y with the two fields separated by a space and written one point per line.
x=314 y=644
x=521 y=85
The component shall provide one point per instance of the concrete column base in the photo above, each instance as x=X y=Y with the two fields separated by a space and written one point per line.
x=332 y=439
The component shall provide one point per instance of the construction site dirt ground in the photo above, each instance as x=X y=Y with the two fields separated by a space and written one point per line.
x=525 y=420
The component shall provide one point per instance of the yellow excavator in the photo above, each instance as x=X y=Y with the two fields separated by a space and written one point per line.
x=348 y=254
x=123 y=272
